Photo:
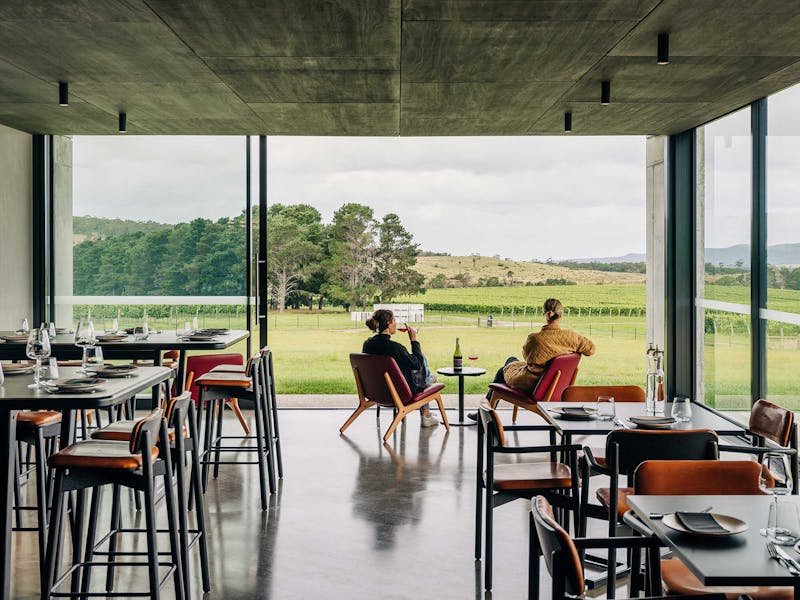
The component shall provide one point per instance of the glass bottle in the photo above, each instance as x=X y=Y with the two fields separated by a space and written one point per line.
x=457 y=358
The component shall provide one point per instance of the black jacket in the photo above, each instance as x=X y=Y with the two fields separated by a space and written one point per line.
x=383 y=345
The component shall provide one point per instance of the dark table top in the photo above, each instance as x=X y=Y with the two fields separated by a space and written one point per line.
x=735 y=560
x=63 y=345
x=463 y=372
x=16 y=395
x=702 y=418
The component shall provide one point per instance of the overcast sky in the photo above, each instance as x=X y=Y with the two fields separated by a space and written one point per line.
x=519 y=197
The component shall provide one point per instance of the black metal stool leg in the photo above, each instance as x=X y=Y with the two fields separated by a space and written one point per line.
x=196 y=490
x=94 y=517
x=54 y=536
x=274 y=408
x=220 y=412
x=41 y=496
x=262 y=458
x=112 y=540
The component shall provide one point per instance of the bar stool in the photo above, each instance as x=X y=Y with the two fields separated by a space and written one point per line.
x=91 y=464
x=38 y=429
x=268 y=377
x=180 y=416
x=214 y=389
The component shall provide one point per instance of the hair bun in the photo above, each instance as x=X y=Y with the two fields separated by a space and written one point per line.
x=372 y=323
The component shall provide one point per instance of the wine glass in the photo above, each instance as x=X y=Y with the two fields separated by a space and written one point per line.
x=776 y=479
x=85 y=338
x=473 y=354
x=38 y=347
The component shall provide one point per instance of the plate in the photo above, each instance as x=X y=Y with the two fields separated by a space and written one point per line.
x=15 y=338
x=732 y=524
x=565 y=414
x=212 y=331
x=73 y=385
x=111 y=338
x=199 y=338
x=18 y=368
x=652 y=422
x=114 y=371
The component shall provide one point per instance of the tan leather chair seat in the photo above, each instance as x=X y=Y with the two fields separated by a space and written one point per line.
x=98 y=454
x=679 y=580
x=222 y=379
x=528 y=476
x=604 y=496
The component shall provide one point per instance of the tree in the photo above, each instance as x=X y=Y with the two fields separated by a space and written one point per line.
x=351 y=248
x=395 y=258
x=295 y=235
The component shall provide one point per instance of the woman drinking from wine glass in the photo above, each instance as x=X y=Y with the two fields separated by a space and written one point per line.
x=383 y=323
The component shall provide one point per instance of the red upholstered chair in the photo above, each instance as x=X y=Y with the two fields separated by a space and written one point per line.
x=380 y=381
x=560 y=373
x=199 y=365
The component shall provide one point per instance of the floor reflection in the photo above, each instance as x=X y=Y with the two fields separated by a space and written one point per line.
x=390 y=480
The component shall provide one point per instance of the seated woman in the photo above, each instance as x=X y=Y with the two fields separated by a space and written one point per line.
x=385 y=326
x=540 y=348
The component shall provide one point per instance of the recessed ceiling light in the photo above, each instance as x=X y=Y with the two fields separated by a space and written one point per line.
x=568 y=122
x=63 y=93
x=605 y=93
x=663 y=49
x=123 y=122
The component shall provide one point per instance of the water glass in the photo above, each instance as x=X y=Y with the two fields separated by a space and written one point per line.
x=681 y=409
x=776 y=479
x=606 y=410
x=141 y=333
x=92 y=358
x=37 y=348
x=2 y=375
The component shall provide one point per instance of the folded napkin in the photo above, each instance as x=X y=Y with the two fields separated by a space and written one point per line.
x=700 y=522
x=652 y=419
x=577 y=410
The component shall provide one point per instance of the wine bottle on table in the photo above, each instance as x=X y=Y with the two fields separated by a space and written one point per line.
x=457 y=358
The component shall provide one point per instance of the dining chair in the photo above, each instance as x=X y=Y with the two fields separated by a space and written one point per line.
x=625 y=450
x=380 y=382
x=589 y=393
x=691 y=478
x=771 y=428
x=563 y=556
x=500 y=483
x=559 y=374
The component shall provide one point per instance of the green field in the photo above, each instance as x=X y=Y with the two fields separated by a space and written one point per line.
x=311 y=348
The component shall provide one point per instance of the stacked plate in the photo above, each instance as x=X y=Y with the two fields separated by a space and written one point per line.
x=108 y=338
x=73 y=385
x=15 y=337
x=18 y=368
x=114 y=371
x=653 y=422
x=574 y=413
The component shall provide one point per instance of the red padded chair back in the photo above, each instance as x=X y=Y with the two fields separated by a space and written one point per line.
x=370 y=369
x=567 y=364
x=203 y=363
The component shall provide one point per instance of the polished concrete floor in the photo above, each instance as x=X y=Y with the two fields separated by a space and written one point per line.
x=353 y=518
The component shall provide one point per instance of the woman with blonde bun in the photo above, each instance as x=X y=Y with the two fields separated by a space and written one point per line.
x=383 y=323
x=540 y=348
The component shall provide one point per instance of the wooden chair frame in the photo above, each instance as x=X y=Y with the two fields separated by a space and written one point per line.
x=401 y=410
x=532 y=405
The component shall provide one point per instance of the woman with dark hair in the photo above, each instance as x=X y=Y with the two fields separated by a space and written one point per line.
x=382 y=322
x=540 y=348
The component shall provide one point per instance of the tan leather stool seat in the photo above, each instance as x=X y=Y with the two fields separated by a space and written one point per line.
x=222 y=379
x=37 y=418
x=98 y=454
x=120 y=431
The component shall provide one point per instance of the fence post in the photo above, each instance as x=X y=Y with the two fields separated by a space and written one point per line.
x=590 y=329
x=612 y=330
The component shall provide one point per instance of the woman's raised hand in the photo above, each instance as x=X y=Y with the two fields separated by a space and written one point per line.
x=412 y=334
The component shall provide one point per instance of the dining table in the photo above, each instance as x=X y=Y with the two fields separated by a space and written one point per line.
x=702 y=418
x=129 y=348
x=740 y=559
x=15 y=395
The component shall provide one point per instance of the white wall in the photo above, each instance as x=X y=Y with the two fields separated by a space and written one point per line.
x=656 y=239
x=16 y=226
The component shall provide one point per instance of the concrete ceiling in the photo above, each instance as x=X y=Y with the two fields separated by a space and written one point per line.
x=388 y=67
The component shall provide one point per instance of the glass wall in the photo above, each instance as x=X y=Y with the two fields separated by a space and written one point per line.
x=151 y=227
x=723 y=211
x=783 y=248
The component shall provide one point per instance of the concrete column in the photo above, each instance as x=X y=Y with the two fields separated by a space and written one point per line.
x=16 y=210
x=700 y=272
x=62 y=228
x=656 y=191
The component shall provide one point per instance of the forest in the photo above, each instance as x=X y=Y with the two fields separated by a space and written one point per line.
x=354 y=260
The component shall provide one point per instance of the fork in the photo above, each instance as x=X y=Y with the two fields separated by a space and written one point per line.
x=773 y=552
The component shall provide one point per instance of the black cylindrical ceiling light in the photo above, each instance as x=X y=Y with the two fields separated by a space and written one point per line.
x=123 y=122
x=568 y=122
x=63 y=93
x=605 y=93
x=663 y=49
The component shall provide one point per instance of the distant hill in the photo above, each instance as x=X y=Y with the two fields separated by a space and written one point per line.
x=97 y=228
x=779 y=254
x=471 y=271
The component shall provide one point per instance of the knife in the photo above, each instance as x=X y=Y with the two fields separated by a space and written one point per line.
x=787 y=557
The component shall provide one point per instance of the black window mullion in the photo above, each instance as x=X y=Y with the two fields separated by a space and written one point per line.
x=758 y=251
